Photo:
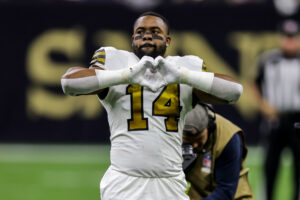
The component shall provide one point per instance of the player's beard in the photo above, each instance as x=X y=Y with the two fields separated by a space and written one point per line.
x=157 y=50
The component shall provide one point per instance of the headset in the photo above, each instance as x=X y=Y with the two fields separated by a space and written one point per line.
x=211 y=126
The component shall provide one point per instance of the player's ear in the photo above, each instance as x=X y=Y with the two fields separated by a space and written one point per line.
x=168 y=41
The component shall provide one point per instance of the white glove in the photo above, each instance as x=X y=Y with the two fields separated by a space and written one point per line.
x=169 y=71
x=144 y=73
x=173 y=73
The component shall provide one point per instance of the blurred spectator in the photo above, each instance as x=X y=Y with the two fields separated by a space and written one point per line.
x=244 y=1
x=231 y=2
x=140 y=5
x=277 y=90
x=286 y=7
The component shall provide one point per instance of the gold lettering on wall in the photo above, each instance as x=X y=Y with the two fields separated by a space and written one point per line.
x=44 y=73
x=117 y=39
x=250 y=45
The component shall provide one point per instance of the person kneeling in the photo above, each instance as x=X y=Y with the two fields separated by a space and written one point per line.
x=216 y=171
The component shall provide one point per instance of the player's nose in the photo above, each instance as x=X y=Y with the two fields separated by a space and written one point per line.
x=147 y=36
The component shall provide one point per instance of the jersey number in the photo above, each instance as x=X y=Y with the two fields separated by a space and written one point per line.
x=165 y=105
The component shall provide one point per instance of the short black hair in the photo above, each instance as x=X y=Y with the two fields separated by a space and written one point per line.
x=151 y=13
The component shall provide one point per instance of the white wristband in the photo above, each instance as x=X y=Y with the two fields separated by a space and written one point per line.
x=207 y=82
x=109 y=78
x=200 y=80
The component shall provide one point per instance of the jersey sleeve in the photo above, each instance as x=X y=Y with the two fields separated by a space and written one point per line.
x=98 y=58
x=204 y=67
x=195 y=63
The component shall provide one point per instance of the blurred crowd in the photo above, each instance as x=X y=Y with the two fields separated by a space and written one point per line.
x=283 y=7
x=146 y=2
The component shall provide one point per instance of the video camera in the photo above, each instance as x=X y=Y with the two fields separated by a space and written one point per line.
x=189 y=157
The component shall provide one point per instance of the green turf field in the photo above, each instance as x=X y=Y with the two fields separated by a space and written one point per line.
x=73 y=172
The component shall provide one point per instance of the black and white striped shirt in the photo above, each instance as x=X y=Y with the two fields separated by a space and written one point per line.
x=279 y=80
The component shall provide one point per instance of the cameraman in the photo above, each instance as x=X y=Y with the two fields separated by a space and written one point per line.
x=218 y=171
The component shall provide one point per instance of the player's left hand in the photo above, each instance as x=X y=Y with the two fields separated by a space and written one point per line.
x=170 y=72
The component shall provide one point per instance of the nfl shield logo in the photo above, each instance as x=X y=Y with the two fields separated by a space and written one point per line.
x=207 y=160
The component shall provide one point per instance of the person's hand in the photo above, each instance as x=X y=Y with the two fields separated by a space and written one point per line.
x=170 y=72
x=144 y=73
x=269 y=111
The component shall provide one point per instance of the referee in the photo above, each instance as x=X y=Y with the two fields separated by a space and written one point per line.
x=277 y=90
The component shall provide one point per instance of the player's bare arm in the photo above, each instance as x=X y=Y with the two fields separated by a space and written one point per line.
x=81 y=81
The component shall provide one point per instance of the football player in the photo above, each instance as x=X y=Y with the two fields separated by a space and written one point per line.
x=146 y=95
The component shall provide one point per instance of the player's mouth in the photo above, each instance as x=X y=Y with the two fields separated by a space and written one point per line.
x=147 y=46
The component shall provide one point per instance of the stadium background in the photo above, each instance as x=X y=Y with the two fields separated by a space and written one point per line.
x=56 y=146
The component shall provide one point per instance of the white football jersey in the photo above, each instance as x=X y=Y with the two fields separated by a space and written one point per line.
x=146 y=127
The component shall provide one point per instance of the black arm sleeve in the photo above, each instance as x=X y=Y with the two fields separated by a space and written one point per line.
x=260 y=74
x=227 y=170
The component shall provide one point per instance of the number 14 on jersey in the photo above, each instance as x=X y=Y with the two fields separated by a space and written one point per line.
x=166 y=105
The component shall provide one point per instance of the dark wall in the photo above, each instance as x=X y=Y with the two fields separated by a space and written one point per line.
x=39 y=42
